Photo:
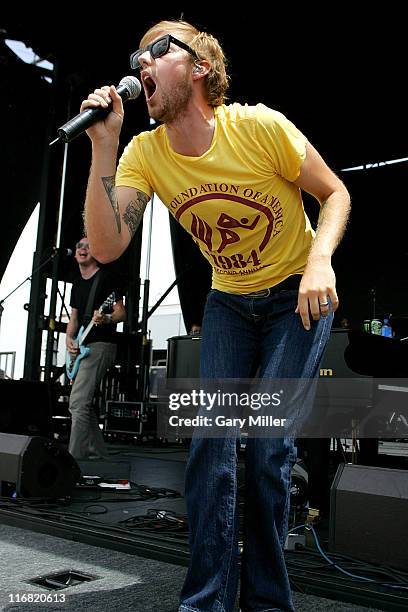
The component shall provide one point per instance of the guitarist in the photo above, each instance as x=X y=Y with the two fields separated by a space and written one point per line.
x=86 y=440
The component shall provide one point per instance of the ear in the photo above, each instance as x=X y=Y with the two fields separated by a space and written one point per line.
x=200 y=69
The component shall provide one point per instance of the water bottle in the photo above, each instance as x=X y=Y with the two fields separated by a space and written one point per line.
x=386 y=329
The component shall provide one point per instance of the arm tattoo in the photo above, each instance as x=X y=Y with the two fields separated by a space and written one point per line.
x=109 y=184
x=134 y=212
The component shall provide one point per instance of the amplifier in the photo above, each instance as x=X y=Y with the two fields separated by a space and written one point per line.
x=339 y=386
x=183 y=357
x=157 y=377
x=183 y=360
x=333 y=363
x=124 y=417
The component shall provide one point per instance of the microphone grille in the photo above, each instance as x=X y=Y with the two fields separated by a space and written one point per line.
x=133 y=86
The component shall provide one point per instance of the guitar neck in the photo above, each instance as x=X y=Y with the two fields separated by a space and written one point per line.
x=86 y=332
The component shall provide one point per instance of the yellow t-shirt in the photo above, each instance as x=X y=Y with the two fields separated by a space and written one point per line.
x=237 y=200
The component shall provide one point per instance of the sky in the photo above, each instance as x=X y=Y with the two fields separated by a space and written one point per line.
x=13 y=326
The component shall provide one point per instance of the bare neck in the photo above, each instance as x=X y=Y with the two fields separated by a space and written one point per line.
x=192 y=133
x=88 y=271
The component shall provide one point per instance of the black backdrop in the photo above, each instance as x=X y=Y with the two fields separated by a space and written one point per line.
x=338 y=77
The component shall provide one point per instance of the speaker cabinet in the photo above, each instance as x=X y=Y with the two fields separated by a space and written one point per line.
x=35 y=467
x=183 y=360
x=368 y=514
x=183 y=357
x=333 y=360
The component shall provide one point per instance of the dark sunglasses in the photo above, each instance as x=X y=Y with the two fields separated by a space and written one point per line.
x=82 y=245
x=158 y=48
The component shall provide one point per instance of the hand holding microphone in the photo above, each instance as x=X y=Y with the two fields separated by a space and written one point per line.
x=98 y=106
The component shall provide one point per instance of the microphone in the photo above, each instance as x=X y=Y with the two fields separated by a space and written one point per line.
x=129 y=88
x=64 y=252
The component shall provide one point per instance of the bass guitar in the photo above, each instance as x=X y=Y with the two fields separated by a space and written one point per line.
x=72 y=363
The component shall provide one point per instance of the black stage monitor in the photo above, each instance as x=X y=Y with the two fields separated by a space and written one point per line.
x=35 y=467
x=368 y=514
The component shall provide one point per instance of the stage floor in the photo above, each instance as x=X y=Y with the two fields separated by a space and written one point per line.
x=147 y=526
x=123 y=581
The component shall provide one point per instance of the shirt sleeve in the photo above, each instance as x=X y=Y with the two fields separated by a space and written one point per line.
x=283 y=143
x=131 y=169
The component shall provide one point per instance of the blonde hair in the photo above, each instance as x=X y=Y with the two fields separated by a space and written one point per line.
x=207 y=48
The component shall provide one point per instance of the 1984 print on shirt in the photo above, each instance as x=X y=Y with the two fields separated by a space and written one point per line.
x=248 y=219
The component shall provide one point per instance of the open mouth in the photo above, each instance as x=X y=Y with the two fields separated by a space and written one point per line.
x=149 y=86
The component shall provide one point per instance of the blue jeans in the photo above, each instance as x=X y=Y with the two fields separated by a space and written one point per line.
x=237 y=332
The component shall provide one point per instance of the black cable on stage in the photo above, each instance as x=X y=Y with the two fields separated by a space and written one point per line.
x=158 y=519
x=53 y=505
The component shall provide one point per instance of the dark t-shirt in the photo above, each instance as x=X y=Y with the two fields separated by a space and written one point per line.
x=79 y=299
